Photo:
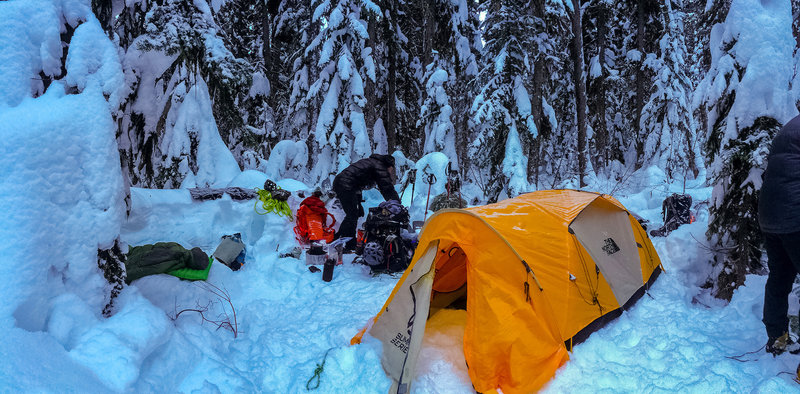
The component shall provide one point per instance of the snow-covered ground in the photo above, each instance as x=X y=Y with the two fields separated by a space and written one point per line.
x=288 y=319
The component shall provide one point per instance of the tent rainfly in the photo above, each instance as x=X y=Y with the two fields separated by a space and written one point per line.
x=540 y=272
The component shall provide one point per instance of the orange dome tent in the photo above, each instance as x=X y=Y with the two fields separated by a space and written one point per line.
x=540 y=272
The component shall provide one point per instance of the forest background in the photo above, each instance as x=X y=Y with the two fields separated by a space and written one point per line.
x=520 y=95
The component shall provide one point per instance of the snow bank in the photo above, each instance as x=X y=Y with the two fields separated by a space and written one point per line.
x=288 y=159
x=668 y=343
x=441 y=367
x=30 y=43
x=761 y=34
x=62 y=197
x=116 y=347
x=56 y=216
x=93 y=61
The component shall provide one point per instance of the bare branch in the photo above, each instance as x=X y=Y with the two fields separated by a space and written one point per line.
x=223 y=319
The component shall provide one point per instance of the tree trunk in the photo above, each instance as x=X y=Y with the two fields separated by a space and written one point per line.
x=580 y=88
x=534 y=158
x=429 y=28
x=639 y=83
x=796 y=29
x=391 y=96
x=535 y=161
x=796 y=19
x=103 y=9
x=370 y=112
x=601 y=129
x=266 y=49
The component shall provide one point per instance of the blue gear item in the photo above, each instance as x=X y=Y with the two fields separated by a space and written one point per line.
x=392 y=206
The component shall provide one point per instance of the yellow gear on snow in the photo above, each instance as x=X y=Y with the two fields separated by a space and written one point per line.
x=269 y=204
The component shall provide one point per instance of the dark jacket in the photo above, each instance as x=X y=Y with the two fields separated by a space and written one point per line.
x=366 y=174
x=779 y=201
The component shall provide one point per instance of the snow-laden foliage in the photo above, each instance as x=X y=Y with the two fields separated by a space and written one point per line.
x=180 y=46
x=554 y=156
x=188 y=34
x=32 y=55
x=191 y=140
x=746 y=95
x=301 y=109
x=288 y=159
x=453 y=65
x=244 y=27
x=396 y=90
x=437 y=118
x=345 y=63
x=502 y=109
x=667 y=116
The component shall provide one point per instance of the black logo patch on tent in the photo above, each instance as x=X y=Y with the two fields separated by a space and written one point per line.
x=610 y=247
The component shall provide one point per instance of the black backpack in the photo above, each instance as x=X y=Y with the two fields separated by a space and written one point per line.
x=386 y=245
x=676 y=210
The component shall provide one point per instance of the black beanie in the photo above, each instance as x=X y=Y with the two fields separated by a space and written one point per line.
x=388 y=160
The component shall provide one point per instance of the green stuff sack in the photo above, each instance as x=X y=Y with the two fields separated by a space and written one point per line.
x=191 y=274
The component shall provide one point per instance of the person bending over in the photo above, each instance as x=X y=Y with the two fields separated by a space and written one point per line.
x=376 y=170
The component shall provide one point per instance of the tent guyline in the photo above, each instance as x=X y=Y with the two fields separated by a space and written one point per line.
x=592 y=288
x=317 y=373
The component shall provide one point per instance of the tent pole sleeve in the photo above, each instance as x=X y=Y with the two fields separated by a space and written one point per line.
x=530 y=271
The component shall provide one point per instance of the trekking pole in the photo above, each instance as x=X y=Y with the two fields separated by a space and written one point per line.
x=403 y=193
x=409 y=179
x=684 y=183
x=431 y=181
x=447 y=185
x=413 y=176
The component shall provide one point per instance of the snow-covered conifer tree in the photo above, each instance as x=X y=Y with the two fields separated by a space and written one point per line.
x=180 y=46
x=502 y=109
x=290 y=37
x=670 y=141
x=453 y=65
x=436 y=118
x=300 y=116
x=344 y=62
x=552 y=98
x=245 y=27
x=396 y=88
x=746 y=96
